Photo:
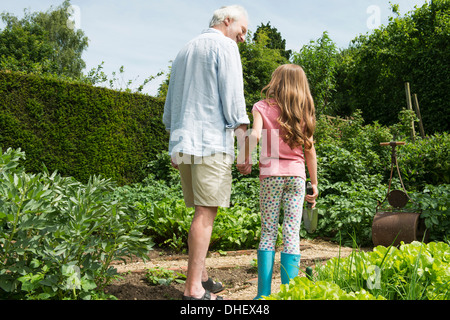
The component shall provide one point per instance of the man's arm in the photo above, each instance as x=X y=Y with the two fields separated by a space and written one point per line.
x=231 y=87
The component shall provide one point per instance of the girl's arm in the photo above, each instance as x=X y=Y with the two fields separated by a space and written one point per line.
x=311 y=163
x=244 y=164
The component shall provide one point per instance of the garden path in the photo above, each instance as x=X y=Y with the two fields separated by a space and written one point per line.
x=233 y=268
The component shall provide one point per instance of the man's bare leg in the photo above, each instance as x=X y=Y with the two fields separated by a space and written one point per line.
x=198 y=241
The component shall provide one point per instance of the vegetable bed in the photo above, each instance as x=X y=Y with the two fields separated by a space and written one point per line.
x=414 y=271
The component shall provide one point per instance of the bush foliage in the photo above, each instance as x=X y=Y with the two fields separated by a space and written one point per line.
x=58 y=236
x=353 y=172
x=78 y=129
x=372 y=72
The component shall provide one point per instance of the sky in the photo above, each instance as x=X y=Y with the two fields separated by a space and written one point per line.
x=144 y=36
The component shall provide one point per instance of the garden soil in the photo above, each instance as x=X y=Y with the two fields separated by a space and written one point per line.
x=235 y=269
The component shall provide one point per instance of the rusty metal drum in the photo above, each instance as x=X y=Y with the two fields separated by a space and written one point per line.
x=390 y=228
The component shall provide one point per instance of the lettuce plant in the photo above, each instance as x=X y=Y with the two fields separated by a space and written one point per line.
x=414 y=271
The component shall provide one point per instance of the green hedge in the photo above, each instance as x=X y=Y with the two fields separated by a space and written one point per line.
x=78 y=129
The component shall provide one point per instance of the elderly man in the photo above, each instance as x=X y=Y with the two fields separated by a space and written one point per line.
x=204 y=111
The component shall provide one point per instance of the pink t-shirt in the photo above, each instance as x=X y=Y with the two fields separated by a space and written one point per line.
x=277 y=158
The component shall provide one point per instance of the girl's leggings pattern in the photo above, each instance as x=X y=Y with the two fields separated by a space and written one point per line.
x=290 y=193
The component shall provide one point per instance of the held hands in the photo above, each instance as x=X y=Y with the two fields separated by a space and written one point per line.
x=243 y=162
x=173 y=162
x=245 y=168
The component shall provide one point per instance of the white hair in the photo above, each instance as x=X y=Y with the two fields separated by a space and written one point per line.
x=234 y=12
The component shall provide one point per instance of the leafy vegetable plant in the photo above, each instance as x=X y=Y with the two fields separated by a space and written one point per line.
x=58 y=236
x=161 y=276
x=414 y=271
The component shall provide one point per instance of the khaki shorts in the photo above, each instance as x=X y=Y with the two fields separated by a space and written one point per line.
x=206 y=181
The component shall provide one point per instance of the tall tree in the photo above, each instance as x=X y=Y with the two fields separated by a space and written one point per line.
x=319 y=60
x=43 y=42
x=275 y=40
x=259 y=61
x=412 y=48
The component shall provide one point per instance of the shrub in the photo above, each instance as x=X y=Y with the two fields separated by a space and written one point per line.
x=426 y=161
x=352 y=143
x=236 y=228
x=353 y=172
x=80 y=130
x=434 y=201
x=412 y=48
x=150 y=190
x=159 y=201
x=347 y=211
x=58 y=236
x=168 y=223
x=245 y=193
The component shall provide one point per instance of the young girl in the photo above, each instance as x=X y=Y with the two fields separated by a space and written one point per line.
x=286 y=122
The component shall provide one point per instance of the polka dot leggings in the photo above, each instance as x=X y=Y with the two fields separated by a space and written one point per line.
x=274 y=192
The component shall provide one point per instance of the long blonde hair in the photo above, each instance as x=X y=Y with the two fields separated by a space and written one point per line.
x=290 y=89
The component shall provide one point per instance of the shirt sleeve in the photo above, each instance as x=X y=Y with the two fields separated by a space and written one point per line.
x=256 y=107
x=231 y=87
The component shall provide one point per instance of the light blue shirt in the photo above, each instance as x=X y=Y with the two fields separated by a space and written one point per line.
x=205 y=100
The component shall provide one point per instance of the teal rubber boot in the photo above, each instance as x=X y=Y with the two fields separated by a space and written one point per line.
x=290 y=265
x=265 y=269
